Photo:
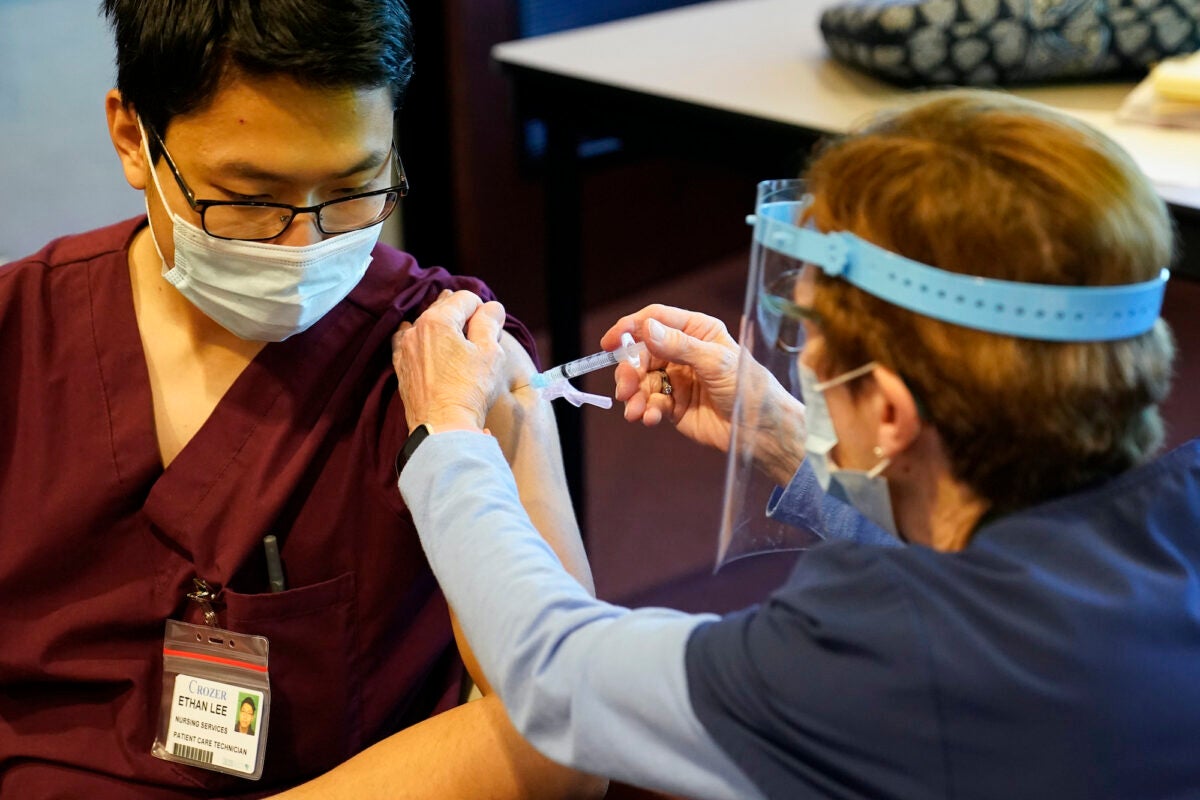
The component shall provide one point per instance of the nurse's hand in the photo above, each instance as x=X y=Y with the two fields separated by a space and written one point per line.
x=700 y=360
x=450 y=363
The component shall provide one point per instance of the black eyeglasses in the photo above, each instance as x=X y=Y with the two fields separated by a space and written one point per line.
x=253 y=221
x=780 y=317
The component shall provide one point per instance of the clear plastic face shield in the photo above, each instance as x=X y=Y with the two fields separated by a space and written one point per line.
x=772 y=336
x=784 y=258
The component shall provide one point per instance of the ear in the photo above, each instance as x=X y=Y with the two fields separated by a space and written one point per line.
x=126 y=138
x=900 y=422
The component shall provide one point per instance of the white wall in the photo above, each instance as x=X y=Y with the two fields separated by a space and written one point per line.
x=58 y=171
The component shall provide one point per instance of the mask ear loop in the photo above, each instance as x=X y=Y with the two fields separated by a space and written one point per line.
x=161 y=197
x=846 y=377
x=876 y=470
x=150 y=166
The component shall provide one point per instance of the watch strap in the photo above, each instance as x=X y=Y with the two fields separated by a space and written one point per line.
x=415 y=437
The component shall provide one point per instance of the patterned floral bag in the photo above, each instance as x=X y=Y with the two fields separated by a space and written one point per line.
x=999 y=42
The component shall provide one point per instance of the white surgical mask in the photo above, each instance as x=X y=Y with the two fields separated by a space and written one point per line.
x=867 y=491
x=258 y=291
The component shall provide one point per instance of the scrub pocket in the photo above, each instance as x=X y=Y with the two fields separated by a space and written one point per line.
x=315 y=672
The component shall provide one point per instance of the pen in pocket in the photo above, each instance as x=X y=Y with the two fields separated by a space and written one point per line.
x=274 y=563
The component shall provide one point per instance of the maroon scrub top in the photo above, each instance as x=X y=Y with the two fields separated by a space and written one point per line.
x=99 y=544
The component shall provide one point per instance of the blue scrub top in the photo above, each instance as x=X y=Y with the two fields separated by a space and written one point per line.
x=1057 y=656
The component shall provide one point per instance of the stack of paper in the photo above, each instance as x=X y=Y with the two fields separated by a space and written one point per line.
x=1178 y=79
x=1170 y=95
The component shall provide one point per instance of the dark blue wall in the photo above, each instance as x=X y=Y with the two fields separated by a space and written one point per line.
x=548 y=16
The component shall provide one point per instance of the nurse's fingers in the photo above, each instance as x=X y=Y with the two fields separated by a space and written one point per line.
x=693 y=323
x=486 y=324
x=454 y=308
x=627 y=379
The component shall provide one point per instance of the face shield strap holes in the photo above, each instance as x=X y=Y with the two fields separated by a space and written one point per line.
x=1025 y=310
x=831 y=252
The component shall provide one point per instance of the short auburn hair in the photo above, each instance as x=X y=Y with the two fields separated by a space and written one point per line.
x=983 y=183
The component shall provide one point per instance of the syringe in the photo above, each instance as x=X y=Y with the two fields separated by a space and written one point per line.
x=629 y=351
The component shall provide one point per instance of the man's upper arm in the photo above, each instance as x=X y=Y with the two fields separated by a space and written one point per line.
x=524 y=425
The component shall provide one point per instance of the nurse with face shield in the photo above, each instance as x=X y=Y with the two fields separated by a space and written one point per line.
x=948 y=376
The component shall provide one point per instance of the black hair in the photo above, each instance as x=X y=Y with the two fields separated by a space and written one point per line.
x=172 y=54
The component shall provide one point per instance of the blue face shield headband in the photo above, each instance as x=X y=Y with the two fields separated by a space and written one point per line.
x=1025 y=310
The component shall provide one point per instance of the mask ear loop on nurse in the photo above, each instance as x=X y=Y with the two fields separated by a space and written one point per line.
x=865 y=490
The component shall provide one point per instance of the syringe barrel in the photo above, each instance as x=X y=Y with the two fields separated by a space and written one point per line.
x=582 y=366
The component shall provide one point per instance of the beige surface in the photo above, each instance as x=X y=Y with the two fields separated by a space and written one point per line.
x=766 y=58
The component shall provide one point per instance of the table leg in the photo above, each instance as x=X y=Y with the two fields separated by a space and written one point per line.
x=564 y=284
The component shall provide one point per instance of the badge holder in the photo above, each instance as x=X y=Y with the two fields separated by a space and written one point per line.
x=216 y=699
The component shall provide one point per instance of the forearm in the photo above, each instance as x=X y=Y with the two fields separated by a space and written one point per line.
x=534 y=457
x=469 y=751
x=780 y=448
x=592 y=685
x=524 y=425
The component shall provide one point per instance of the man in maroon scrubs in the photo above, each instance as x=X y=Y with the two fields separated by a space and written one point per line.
x=178 y=388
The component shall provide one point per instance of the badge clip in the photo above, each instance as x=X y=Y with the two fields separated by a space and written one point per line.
x=203 y=596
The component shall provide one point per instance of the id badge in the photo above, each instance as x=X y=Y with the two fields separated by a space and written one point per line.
x=216 y=700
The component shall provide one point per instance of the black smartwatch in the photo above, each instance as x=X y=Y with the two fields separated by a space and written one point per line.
x=415 y=437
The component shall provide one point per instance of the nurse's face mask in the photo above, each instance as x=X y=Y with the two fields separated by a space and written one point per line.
x=866 y=490
x=268 y=292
